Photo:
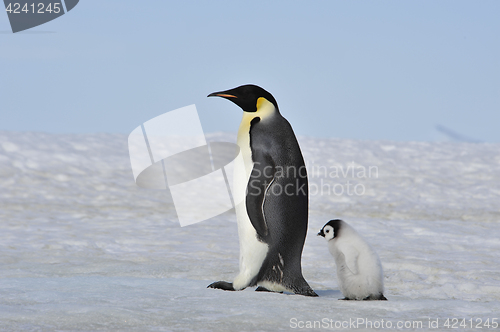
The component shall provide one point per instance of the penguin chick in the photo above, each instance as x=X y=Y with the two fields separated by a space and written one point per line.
x=359 y=271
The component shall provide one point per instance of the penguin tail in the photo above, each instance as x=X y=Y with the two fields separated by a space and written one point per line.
x=308 y=292
x=303 y=288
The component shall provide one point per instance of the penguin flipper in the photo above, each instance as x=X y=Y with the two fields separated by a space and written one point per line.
x=351 y=258
x=224 y=285
x=261 y=178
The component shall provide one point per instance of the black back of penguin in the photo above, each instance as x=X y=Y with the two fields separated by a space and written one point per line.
x=287 y=198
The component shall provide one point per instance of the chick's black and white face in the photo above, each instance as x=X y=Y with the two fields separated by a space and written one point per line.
x=329 y=232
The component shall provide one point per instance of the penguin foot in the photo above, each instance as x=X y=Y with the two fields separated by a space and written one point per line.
x=263 y=289
x=378 y=297
x=224 y=285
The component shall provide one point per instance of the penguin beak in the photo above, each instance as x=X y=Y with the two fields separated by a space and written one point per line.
x=221 y=94
x=321 y=233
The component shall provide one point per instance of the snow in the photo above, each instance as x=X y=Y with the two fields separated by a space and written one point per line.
x=83 y=248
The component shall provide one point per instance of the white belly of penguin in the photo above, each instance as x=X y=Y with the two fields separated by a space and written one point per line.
x=252 y=251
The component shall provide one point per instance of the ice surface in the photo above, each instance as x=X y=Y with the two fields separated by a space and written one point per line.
x=83 y=248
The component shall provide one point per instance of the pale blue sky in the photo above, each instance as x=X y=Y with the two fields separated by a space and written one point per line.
x=348 y=69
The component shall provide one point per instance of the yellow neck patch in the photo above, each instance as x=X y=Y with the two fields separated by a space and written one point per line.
x=264 y=108
x=260 y=101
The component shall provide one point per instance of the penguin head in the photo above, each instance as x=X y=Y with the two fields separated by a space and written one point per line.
x=331 y=229
x=249 y=97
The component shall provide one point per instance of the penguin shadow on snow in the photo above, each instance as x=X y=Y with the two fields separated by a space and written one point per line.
x=329 y=293
x=326 y=293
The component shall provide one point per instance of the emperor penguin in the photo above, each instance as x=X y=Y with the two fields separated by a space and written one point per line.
x=359 y=270
x=272 y=181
